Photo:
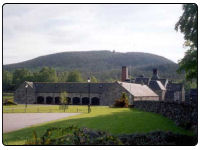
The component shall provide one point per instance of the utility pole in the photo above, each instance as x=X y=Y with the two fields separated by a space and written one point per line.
x=89 y=94
x=130 y=96
x=26 y=86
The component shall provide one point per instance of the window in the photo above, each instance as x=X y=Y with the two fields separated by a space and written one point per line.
x=176 y=96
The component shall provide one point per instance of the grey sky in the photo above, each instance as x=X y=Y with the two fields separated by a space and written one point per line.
x=33 y=30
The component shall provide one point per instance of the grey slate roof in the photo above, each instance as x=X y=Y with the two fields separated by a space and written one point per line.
x=142 y=80
x=156 y=85
x=71 y=87
x=163 y=81
x=155 y=77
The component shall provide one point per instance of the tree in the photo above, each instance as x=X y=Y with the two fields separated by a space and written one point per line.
x=188 y=85
x=7 y=80
x=62 y=76
x=64 y=99
x=187 y=24
x=74 y=76
x=93 y=79
x=189 y=64
x=20 y=75
x=46 y=74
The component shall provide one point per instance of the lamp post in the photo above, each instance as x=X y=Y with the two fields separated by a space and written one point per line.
x=89 y=94
x=26 y=86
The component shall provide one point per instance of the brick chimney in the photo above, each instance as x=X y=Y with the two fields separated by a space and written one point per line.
x=124 y=73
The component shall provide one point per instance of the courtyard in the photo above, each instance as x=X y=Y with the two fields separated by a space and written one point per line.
x=16 y=121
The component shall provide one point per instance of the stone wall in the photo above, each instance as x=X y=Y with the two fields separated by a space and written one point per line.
x=22 y=95
x=184 y=115
x=110 y=95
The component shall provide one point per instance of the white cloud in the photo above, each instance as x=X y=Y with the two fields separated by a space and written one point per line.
x=34 y=30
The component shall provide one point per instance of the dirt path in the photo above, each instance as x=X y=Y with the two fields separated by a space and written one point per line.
x=16 y=121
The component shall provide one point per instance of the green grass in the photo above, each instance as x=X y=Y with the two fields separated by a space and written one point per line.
x=8 y=94
x=113 y=120
x=8 y=97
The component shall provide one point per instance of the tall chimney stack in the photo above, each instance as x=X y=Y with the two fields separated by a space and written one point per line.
x=124 y=73
x=155 y=74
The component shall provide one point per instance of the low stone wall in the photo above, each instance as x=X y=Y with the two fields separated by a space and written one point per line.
x=184 y=115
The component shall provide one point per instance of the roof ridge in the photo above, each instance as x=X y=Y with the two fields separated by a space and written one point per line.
x=75 y=82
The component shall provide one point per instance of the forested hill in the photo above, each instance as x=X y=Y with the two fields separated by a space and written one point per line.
x=91 y=60
x=105 y=65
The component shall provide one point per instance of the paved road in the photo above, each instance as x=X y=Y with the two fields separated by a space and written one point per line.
x=16 y=121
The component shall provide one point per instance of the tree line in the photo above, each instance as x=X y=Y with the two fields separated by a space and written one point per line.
x=188 y=25
x=12 y=80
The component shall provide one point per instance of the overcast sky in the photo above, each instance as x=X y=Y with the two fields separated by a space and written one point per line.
x=30 y=31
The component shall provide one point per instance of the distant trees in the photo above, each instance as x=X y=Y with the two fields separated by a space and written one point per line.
x=12 y=80
x=188 y=25
x=94 y=79
x=62 y=76
x=75 y=76
x=21 y=75
x=46 y=74
x=7 y=80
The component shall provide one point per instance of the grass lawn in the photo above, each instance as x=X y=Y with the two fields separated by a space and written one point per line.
x=8 y=97
x=113 y=120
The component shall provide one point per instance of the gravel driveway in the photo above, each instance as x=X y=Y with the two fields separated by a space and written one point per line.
x=16 y=121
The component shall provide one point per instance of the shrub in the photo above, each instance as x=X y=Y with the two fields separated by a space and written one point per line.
x=64 y=100
x=9 y=102
x=73 y=135
x=122 y=102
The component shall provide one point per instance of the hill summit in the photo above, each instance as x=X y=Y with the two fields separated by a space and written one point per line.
x=101 y=62
x=94 y=60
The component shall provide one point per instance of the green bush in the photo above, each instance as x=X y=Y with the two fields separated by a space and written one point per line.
x=9 y=102
x=122 y=102
x=73 y=136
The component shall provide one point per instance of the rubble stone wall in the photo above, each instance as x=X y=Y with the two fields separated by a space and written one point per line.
x=184 y=115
